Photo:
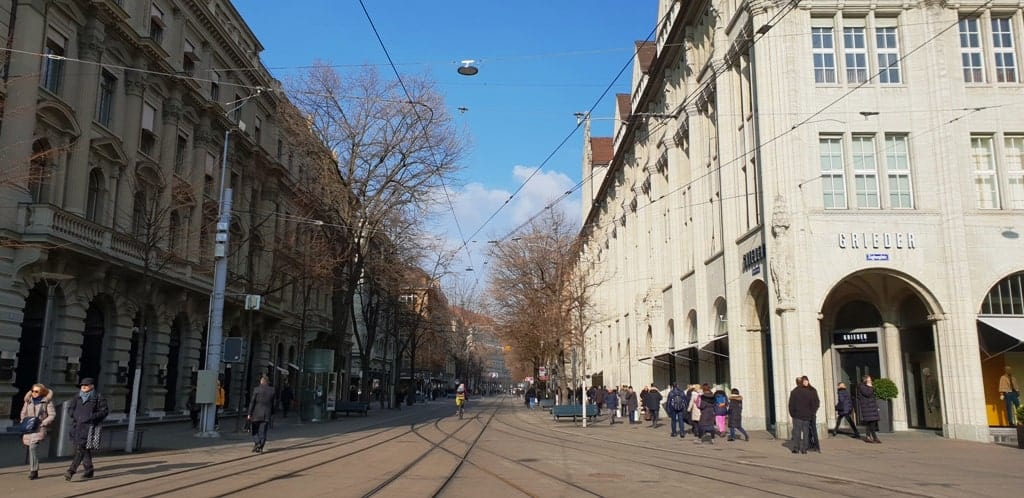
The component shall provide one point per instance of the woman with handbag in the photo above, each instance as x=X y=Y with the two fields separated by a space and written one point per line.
x=37 y=405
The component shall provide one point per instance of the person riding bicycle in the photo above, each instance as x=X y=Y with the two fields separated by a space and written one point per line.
x=460 y=396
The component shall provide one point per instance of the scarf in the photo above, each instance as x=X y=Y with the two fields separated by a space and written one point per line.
x=37 y=400
x=85 y=396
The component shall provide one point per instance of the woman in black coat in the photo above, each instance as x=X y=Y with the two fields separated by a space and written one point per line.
x=844 y=410
x=706 y=424
x=867 y=409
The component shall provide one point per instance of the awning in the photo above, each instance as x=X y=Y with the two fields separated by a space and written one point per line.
x=708 y=343
x=1008 y=334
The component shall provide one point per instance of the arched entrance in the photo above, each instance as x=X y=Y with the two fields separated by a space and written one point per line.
x=29 y=347
x=95 y=329
x=757 y=319
x=878 y=322
x=173 y=366
x=1001 y=337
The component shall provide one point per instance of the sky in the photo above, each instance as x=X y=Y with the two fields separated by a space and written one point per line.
x=540 y=62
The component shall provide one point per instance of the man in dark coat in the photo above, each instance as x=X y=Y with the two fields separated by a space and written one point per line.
x=631 y=404
x=261 y=409
x=653 y=404
x=803 y=407
x=86 y=411
x=599 y=398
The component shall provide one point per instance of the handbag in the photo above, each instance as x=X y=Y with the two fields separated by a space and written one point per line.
x=27 y=425
x=92 y=440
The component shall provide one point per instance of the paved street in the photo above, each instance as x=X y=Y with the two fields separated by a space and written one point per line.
x=503 y=449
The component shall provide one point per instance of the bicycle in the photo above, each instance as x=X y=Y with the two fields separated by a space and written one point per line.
x=460 y=405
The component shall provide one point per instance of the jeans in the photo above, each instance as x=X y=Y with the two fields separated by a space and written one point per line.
x=732 y=432
x=678 y=426
x=33 y=457
x=1012 y=400
x=654 y=418
x=801 y=435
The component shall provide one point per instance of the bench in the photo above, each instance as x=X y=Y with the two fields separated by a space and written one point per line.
x=546 y=403
x=573 y=411
x=351 y=407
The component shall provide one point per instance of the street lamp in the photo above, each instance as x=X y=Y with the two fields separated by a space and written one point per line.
x=468 y=68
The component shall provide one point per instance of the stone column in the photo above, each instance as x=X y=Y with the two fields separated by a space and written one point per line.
x=22 y=92
x=134 y=89
x=87 y=77
x=893 y=351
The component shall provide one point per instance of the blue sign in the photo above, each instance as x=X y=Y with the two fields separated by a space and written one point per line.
x=878 y=256
x=756 y=270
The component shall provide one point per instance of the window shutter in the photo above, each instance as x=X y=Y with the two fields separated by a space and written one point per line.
x=148 y=117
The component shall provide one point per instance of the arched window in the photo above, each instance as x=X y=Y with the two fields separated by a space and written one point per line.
x=94 y=201
x=721 y=318
x=693 y=327
x=139 y=221
x=1006 y=297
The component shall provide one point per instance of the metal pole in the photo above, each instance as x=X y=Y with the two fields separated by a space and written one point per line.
x=220 y=275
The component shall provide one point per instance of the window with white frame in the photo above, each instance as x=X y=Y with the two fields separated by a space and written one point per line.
x=855 y=51
x=823 y=51
x=985 y=180
x=859 y=162
x=1013 y=150
x=887 y=51
x=897 y=167
x=865 y=171
x=53 y=61
x=833 y=183
x=1004 y=50
x=971 y=54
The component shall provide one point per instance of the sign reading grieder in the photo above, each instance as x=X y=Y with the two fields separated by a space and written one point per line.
x=877 y=240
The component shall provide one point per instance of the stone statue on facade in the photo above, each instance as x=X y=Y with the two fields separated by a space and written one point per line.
x=781 y=262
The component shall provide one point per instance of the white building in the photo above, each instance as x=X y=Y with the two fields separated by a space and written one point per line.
x=824 y=189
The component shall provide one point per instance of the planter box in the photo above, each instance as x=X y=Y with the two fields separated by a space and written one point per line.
x=885 y=416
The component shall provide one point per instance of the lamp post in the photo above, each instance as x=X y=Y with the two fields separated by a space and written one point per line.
x=220 y=275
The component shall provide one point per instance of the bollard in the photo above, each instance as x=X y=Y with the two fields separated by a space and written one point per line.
x=60 y=444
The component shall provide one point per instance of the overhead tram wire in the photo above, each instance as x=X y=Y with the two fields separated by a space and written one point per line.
x=398 y=76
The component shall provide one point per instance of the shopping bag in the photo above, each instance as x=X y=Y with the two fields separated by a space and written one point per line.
x=92 y=441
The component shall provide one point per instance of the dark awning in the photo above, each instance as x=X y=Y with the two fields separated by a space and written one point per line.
x=999 y=334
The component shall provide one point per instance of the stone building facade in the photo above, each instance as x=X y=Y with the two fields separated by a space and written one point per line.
x=115 y=116
x=827 y=189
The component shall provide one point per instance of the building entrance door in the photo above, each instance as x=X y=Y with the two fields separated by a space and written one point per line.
x=857 y=362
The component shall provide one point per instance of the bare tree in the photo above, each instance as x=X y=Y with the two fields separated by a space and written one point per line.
x=395 y=151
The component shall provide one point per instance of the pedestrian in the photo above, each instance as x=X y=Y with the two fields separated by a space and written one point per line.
x=803 y=404
x=693 y=409
x=736 y=415
x=631 y=406
x=706 y=417
x=286 y=399
x=844 y=410
x=643 y=403
x=612 y=400
x=721 y=411
x=813 y=444
x=37 y=404
x=867 y=409
x=193 y=407
x=261 y=410
x=599 y=399
x=86 y=412
x=1009 y=392
x=653 y=404
x=675 y=408
x=221 y=398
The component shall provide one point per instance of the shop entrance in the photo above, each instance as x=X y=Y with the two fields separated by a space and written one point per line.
x=854 y=364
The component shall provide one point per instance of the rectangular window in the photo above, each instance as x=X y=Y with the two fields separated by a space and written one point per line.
x=215 y=86
x=833 y=183
x=970 y=51
x=148 y=117
x=897 y=167
x=180 y=152
x=53 y=62
x=147 y=139
x=257 y=130
x=156 y=24
x=823 y=51
x=865 y=171
x=1014 y=150
x=855 y=52
x=238 y=108
x=887 y=51
x=1002 y=48
x=105 y=107
x=984 y=163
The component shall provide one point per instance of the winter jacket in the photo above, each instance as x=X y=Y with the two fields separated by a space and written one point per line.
x=707 y=410
x=867 y=405
x=653 y=401
x=694 y=406
x=46 y=413
x=85 y=414
x=672 y=395
x=631 y=403
x=599 y=396
x=261 y=406
x=735 y=410
x=844 y=404
x=804 y=403
x=611 y=400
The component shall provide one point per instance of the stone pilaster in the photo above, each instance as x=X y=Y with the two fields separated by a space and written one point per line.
x=90 y=48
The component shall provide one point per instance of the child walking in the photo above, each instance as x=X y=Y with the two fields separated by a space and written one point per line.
x=736 y=415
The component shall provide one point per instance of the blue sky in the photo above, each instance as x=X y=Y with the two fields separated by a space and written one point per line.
x=539 y=62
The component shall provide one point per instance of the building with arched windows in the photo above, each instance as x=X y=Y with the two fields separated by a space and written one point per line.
x=114 y=121
x=826 y=189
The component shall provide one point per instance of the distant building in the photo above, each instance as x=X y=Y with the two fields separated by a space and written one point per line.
x=821 y=189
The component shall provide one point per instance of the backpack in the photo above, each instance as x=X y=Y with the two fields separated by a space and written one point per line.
x=677 y=402
x=721 y=404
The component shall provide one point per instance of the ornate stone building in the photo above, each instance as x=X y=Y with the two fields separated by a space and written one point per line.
x=828 y=189
x=115 y=116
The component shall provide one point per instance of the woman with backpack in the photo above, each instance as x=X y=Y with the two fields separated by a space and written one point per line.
x=721 y=411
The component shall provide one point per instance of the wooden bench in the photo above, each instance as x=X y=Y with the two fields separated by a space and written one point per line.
x=573 y=411
x=351 y=407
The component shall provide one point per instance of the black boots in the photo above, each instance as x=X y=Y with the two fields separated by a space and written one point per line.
x=33 y=475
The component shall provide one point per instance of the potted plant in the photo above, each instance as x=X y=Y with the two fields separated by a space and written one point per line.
x=885 y=391
x=1019 y=415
